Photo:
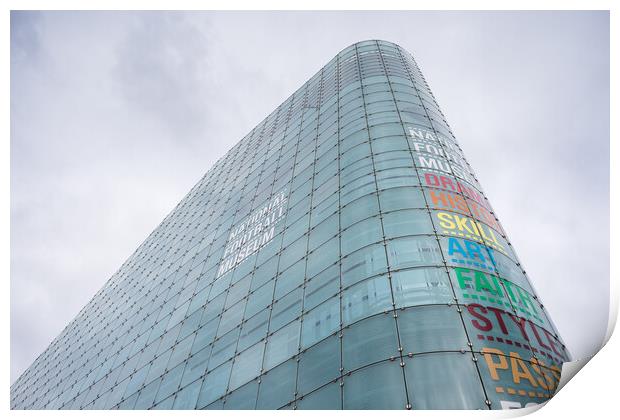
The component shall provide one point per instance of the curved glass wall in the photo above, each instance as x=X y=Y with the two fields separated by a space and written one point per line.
x=341 y=256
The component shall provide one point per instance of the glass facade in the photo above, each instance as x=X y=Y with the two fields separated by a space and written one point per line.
x=341 y=256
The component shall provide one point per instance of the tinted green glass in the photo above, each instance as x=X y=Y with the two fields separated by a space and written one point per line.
x=370 y=340
x=336 y=241
x=432 y=383
x=377 y=387
x=318 y=365
x=277 y=386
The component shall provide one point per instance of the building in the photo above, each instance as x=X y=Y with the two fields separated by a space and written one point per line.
x=341 y=255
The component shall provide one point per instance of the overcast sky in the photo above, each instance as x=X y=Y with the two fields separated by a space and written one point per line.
x=115 y=116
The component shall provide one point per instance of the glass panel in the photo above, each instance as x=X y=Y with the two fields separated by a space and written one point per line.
x=431 y=328
x=253 y=330
x=165 y=404
x=324 y=209
x=213 y=308
x=186 y=398
x=285 y=310
x=324 y=231
x=509 y=270
x=169 y=383
x=361 y=234
x=243 y=398
x=320 y=322
x=295 y=214
x=322 y=257
x=326 y=398
x=238 y=291
x=264 y=273
x=414 y=251
x=220 y=285
x=357 y=152
x=243 y=269
x=247 y=365
x=216 y=405
x=401 y=198
x=259 y=299
x=277 y=386
x=359 y=187
x=357 y=169
x=180 y=352
x=224 y=348
x=444 y=381
x=290 y=279
x=196 y=366
x=368 y=341
x=282 y=345
x=128 y=403
x=384 y=130
x=296 y=229
x=294 y=252
x=421 y=286
x=321 y=287
x=395 y=177
x=366 y=298
x=190 y=324
x=318 y=365
x=363 y=264
x=407 y=222
x=137 y=380
x=214 y=385
x=387 y=144
x=359 y=209
x=169 y=338
x=158 y=366
x=147 y=396
x=113 y=399
x=377 y=387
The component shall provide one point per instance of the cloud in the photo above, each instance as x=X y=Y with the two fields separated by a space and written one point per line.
x=162 y=68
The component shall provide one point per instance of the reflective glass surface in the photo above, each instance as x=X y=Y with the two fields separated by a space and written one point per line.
x=341 y=255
